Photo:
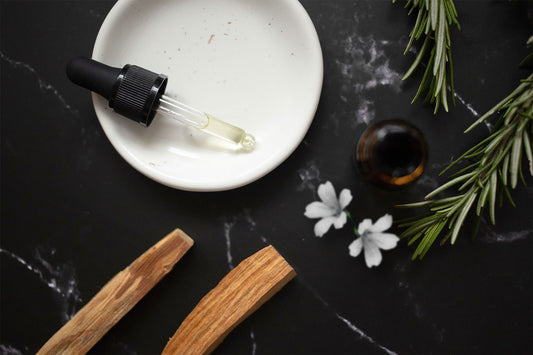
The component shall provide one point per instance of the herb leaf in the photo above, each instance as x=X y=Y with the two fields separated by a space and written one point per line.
x=433 y=21
x=494 y=165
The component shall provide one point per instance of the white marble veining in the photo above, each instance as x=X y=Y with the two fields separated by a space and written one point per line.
x=363 y=335
x=252 y=340
x=413 y=301
x=473 y=111
x=366 y=65
x=488 y=235
x=344 y=320
x=429 y=178
x=428 y=181
x=440 y=166
x=507 y=237
x=363 y=67
x=468 y=106
x=43 y=84
x=125 y=349
x=365 y=112
x=244 y=216
x=419 y=313
x=309 y=177
x=85 y=160
x=61 y=279
x=330 y=309
x=227 y=235
x=96 y=14
x=9 y=350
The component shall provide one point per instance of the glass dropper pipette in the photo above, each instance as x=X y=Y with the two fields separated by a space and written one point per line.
x=138 y=94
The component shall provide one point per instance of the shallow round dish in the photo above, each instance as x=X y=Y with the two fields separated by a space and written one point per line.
x=256 y=64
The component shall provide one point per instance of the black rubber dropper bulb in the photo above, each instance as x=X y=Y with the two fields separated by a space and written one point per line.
x=132 y=91
x=138 y=93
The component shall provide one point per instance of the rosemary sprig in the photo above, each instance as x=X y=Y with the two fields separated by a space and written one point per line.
x=433 y=23
x=495 y=165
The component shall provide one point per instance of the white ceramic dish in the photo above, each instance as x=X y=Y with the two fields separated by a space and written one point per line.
x=254 y=63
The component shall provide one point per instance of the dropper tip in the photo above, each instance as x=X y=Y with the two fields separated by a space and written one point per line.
x=248 y=142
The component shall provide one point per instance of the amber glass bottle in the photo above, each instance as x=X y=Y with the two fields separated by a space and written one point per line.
x=391 y=154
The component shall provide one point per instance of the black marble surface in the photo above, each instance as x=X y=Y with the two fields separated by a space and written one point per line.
x=74 y=213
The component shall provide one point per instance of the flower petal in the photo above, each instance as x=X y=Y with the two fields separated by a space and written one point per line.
x=356 y=246
x=345 y=197
x=326 y=192
x=364 y=226
x=372 y=254
x=322 y=226
x=384 y=241
x=340 y=220
x=382 y=224
x=318 y=210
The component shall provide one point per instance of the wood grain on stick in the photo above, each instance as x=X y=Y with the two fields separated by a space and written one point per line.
x=239 y=294
x=118 y=296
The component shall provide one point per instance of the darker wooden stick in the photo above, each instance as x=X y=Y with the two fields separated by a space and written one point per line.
x=118 y=296
x=238 y=295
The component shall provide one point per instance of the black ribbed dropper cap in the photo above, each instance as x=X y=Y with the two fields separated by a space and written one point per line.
x=132 y=91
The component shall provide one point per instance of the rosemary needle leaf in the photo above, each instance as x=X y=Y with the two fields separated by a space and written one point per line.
x=529 y=42
x=527 y=149
x=409 y=220
x=416 y=32
x=515 y=156
x=434 y=8
x=440 y=35
x=450 y=75
x=528 y=61
x=449 y=184
x=446 y=200
x=440 y=76
x=492 y=196
x=508 y=194
x=462 y=216
x=434 y=234
x=505 y=170
x=418 y=59
x=476 y=227
x=446 y=238
x=415 y=238
x=521 y=173
x=465 y=169
x=444 y=95
x=415 y=204
x=482 y=199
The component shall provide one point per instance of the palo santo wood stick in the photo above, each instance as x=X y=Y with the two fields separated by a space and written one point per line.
x=239 y=294
x=118 y=296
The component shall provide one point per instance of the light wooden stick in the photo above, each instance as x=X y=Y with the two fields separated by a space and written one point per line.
x=239 y=294
x=118 y=296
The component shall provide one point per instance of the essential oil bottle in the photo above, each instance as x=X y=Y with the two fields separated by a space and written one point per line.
x=391 y=154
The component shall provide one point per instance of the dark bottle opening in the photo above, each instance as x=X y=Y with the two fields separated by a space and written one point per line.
x=391 y=154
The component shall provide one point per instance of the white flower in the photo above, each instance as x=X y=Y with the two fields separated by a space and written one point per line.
x=330 y=210
x=372 y=239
